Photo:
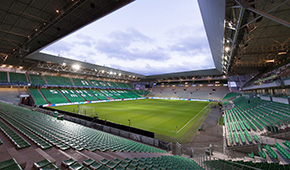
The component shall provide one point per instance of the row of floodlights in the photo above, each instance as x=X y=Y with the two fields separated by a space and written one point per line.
x=78 y=67
x=11 y=66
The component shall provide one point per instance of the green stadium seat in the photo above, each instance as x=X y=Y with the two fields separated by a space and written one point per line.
x=104 y=161
x=53 y=96
x=86 y=95
x=3 y=77
x=68 y=162
x=38 y=99
x=95 y=165
x=36 y=80
x=98 y=94
x=17 y=78
x=272 y=154
x=40 y=164
x=75 y=166
x=51 y=130
x=88 y=162
x=104 y=167
x=58 y=81
x=119 y=167
x=81 y=82
x=72 y=95
x=99 y=84
x=111 y=165
x=15 y=138
x=10 y=164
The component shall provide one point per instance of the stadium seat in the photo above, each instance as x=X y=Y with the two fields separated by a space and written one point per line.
x=18 y=78
x=86 y=95
x=68 y=162
x=53 y=96
x=58 y=81
x=98 y=94
x=81 y=82
x=48 y=128
x=88 y=162
x=36 y=80
x=72 y=95
x=14 y=137
x=38 y=99
x=99 y=84
x=10 y=164
x=3 y=77
x=41 y=164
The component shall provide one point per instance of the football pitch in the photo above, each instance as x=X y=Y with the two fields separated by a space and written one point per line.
x=165 y=117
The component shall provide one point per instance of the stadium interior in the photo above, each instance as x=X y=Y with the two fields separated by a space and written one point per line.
x=245 y=125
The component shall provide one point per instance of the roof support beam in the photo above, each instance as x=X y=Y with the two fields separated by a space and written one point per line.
x=239 y=23
x=271 y=17
x=266 y=12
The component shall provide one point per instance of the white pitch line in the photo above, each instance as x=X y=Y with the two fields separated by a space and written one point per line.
x=193 y=118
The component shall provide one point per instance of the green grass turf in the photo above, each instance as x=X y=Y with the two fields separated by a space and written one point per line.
x=165 y=117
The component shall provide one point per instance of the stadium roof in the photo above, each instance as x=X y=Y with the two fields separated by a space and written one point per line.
x=252 y=36
x=28 y=25
x=64 y=65
x=256 y=35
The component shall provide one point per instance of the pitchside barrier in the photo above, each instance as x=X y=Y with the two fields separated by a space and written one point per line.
x=100 y=101
x=185 y=99
x=135 y=134
x=87 y=102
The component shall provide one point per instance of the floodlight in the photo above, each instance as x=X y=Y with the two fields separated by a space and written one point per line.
x=20 y=67
x=3 y=65
x=76 y=66
x=111 y=72
x=270 y=61
x=282 y=52
x=63 y=64
x=227 y=49
x=10 y=66
x=120 y=74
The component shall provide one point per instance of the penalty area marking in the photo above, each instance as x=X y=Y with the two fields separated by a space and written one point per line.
x=192 y=118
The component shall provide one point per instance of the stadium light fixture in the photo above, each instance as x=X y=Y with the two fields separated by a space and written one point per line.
x=227 y=49
x=270 y=61
x=282 y=52
x=63 y=64
x=20 y=67
x=115 y=73
x=103 y=71
x=120 y=74
x=111 y=72
x=3 y=65
x=10 y=66
x=76 y=66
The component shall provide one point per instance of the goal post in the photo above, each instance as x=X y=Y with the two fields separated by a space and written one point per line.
x=86 y=110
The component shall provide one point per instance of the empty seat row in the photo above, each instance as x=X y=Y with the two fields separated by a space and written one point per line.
x=10 y=164
x=26 y=131
x=55 y=96
x=45 y=165
x=223 y=164
x=164 y=162
x=65 y=134
x=15 y=138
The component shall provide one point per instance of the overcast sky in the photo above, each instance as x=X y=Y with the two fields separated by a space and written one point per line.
x=146 y=37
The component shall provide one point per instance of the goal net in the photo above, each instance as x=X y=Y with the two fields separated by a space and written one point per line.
x=86 y=110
